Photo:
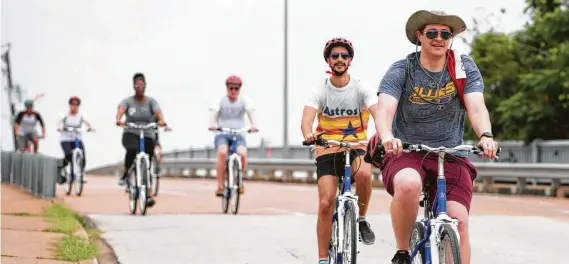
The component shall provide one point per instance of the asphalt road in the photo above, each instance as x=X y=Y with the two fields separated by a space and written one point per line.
x=276 y=224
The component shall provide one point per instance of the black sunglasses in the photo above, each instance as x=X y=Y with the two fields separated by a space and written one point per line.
x=432 y=34
x=344 y=55
x=234 y=88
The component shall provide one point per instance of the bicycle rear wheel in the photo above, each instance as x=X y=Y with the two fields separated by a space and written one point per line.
x=350 y=253
x=449 y=247
x=154 y=174
x=417 y=236
x=236 y=186
x=226 y=189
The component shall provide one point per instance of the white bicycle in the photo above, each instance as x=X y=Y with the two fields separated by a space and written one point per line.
x=74 y=177
x=138 y=188
x=435 y=238
x=344 y=246
x=233 y=181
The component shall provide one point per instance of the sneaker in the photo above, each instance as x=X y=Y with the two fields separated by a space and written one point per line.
x=122 y=180
x=323 y=261
x=366 y=234
x=219 y=191
x=401 y=257
x=150 y=201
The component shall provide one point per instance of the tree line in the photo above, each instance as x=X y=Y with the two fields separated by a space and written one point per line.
x=526 y=74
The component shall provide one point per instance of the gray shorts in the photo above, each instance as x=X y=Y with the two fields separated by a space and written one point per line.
x=23 y=140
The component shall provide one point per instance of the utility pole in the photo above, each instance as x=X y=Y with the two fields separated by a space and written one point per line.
x=285 y=102
x=6 y=59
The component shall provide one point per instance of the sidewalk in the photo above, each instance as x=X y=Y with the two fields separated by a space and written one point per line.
x=25 y=235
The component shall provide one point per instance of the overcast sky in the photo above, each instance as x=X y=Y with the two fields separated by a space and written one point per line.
x=186 y=48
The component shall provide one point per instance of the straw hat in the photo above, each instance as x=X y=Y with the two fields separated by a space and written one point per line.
x=424 y=17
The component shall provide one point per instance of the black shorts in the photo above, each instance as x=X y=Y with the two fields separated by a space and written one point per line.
x=333 y=164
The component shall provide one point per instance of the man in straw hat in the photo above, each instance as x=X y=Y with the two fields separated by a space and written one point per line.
x=421 y=96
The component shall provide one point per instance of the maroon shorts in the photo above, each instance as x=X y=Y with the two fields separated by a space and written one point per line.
x=459 y=174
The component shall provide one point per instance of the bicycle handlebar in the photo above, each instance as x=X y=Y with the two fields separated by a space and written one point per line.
x=74 y=129
x=407 y=147
x=135 y=126
x=234 y=130
x=327 y=143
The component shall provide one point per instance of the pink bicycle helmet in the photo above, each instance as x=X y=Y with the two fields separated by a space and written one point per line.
x=338 y=42
x=233 y=79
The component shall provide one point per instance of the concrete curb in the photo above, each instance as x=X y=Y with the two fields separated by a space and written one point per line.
x=106 y=253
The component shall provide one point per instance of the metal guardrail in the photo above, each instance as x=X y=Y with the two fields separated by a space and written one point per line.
x=34 y=172
x=284 y=170
x=537 y=151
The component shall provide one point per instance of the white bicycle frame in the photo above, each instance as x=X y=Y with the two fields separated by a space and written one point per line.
x=141 y=155
x=76 y=170
x=232 y=157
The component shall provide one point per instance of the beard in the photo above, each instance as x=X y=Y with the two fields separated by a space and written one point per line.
x=339 y=73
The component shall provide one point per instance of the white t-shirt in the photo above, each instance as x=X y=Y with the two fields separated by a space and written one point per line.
x=232 y=114
x=341 y=111
x=69 y=120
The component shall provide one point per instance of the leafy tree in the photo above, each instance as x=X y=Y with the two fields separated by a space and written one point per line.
x=527 y=74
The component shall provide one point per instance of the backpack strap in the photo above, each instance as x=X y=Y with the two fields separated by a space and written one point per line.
x=457 y=73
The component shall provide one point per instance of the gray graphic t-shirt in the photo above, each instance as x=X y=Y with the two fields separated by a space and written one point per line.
x=140 y=114
x=418 y=121
x=232 y=114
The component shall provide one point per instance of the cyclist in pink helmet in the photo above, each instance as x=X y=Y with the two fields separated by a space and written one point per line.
x=229 y=112
x=343 y=105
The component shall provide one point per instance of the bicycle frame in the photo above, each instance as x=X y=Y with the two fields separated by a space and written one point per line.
x=345 y=194
x=344 y=197
x=436 y=216
x=233 y=155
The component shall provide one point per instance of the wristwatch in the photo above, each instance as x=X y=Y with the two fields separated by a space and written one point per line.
x=487 y=134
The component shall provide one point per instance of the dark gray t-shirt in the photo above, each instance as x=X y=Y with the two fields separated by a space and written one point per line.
x=140 y=114
x=419 y=122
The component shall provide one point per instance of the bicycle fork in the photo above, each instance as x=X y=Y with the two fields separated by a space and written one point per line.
x=339 y=216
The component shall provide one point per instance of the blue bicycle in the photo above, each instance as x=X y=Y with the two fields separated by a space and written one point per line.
x=233 y=181
x=345 y=226
x=139 y=188
x=435 y=238
x=76 y=167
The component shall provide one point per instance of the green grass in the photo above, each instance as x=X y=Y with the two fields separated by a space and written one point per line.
x=71 y=247
x=74 y=248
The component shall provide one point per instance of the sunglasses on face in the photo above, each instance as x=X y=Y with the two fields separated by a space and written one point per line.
x=233 y=88
x=344 y=55
x=432 y=34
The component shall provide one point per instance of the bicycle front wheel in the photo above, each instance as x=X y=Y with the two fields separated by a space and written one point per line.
x=449 y=247
x=350 y=235
x=417 y=236
x=235 y=188
x=143 y=189
x=78 y=171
